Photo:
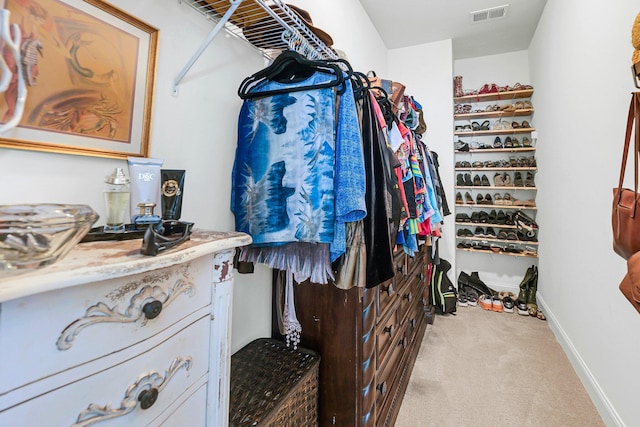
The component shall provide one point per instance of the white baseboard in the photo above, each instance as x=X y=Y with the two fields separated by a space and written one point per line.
x=599 y=398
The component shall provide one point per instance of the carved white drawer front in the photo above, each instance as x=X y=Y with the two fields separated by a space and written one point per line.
x=145 y=390
x=54 y=331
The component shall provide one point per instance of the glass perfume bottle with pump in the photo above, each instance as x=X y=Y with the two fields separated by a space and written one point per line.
x=116 y=198
x=146 y=217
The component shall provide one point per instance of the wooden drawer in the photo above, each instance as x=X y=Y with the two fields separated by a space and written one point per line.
x=389 y=368
x=189 y=413
x=386 y=294
x=386 y=334
x=72 y=326
x=173 y=369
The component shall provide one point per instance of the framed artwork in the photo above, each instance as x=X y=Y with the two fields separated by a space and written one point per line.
x=89 y=72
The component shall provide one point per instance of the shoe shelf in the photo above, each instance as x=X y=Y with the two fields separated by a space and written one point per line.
x=533 y=208
x=485 y=187
x=476 y=144
x=494 y=132
x=510 y=168
x=499 y=96
x=485 y=224
x=501 y=252
x=496 y=240
x=497 y=150
x=494 y=114
x=481 y=205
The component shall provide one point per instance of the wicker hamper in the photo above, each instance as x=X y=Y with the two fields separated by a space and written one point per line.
x=273 y=385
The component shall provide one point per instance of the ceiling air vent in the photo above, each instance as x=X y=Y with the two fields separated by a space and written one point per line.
x=498 y=12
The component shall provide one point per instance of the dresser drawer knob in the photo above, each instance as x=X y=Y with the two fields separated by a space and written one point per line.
x=147 y=398
x=413 y=323
x=152 y=309
x=408 y=296
x=382 y=388
x=388 y=289
x=403 y=342
x=390 y=330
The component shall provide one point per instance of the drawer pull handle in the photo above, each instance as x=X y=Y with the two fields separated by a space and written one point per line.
x=388 y=289
x=136 y=309
x=144 y=391
x=382 y=388
x=147 y=398
x=408 y=297
x=390 y=330
x=424 y=301
x=152 y=309
x=403 y=342
x=413 y=323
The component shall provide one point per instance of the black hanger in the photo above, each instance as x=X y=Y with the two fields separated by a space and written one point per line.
x=290 y=66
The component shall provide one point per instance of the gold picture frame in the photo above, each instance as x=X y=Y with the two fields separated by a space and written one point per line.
x=89 y=69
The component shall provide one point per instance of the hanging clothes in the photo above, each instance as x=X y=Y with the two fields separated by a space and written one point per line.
x=298 y=176
x=376 y=224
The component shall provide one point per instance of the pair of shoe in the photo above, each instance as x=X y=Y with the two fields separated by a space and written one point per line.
x=480 y=232
x=527 y=296
x=461 y=146
x=527 y=182
x=484 y=200
x=488 y=88
x=491 y=303
x=479 y=181
x=464 y=180
x=464 y=232
x=502 y=180
x=467 y=297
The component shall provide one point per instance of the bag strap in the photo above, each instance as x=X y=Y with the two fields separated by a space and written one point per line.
x=634 y=110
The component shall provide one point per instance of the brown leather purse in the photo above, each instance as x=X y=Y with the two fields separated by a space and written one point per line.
x=625 y=214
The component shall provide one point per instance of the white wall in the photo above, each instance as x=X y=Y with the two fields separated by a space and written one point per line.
x=583 y=84
x=195 y=131
x=500 y=272
x=426 y=71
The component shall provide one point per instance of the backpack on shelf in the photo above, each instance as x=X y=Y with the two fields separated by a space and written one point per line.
x=443 y=294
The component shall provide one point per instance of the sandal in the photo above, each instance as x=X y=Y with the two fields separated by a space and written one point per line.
x=525 y=124
x=516 y=143
x=508 y=143
x=519 y=105
x=527 y=105
x=514 y=125
x=485 y=125
x=497 y=143
x=508 y=108
x=507 y=199
x=540 y=315
x=526 y=142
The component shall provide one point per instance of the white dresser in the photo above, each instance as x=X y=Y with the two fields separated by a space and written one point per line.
x=110 y=337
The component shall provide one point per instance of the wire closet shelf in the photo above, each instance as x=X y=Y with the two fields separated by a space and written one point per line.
x=270 y=26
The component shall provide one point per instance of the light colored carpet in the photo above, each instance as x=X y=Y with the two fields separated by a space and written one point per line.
x=481 y=368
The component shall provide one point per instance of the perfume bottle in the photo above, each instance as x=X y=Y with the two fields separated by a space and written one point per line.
x=146 y=216
x=116 y=198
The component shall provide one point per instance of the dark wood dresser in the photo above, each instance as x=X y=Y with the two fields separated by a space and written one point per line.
x=368 y=340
